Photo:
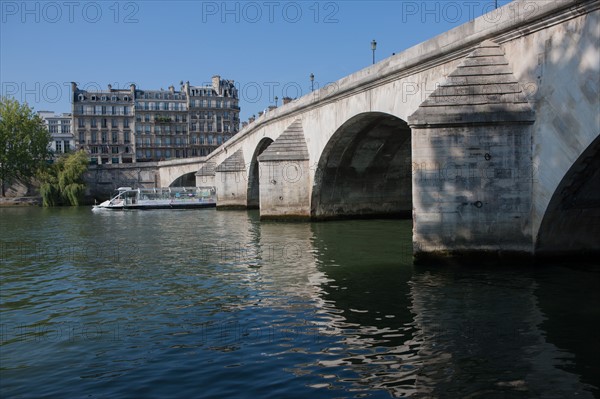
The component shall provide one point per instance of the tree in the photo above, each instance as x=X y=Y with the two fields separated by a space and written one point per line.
x=23 y=142
x=62 y=183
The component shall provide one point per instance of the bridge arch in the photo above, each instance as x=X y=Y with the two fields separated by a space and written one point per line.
x=185 y=180
x=571 y=222
x=254 y=174
x=365 y=170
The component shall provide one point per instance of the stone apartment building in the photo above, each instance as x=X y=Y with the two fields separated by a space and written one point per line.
x=61 y=131
x=135 y=125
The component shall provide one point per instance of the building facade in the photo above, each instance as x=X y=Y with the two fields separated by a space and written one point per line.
x=135 y=125
x=61 y=131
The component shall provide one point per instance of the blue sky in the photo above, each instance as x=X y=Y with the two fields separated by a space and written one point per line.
x=268 y=47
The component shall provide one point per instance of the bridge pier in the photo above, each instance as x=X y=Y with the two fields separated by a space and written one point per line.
x=205 y=177
x=284 y=177
x=231 y=182
x=471 y=149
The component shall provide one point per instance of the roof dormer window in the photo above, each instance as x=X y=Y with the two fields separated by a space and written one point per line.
x=80 y=97
x=113 y=98
x=103 y=98
x=93 y=98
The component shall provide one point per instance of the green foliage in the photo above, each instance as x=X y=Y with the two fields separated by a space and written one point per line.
x=62 y=182
x=23 y=142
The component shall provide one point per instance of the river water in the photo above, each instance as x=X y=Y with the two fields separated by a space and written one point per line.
x=206 y=303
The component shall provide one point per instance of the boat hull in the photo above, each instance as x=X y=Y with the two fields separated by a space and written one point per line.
x=154 y=206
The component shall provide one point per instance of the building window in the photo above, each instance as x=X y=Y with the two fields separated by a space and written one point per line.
x=126 y=123
x=126 y=137
x=58 y=146
x=81 y=138
x=67 y=146
x=113 y=98
x=104 y=138
x=114 y=123
x=80 y=97
x=115 y=150
x=115 y=137
x=94 y=150
x=94 y=137
x=115 y=160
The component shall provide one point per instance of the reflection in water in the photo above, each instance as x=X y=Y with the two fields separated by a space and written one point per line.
x=218 y=304
x=459 y=332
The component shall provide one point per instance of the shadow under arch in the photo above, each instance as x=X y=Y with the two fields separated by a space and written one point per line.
x=186 y=180
x=254 y=174
x=365 y=170
x=571 y=222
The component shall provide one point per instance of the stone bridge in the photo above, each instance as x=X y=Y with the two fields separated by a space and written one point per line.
x=487 y=135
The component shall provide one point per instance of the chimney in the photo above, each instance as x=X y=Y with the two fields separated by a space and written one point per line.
x=260 y=113
x=216 y=84
x=172 y=89
x=287 y=100
x=251 y=119
x=244 y=124
x=109 y=87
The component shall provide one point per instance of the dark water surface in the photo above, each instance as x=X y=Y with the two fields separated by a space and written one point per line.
x=190 y=304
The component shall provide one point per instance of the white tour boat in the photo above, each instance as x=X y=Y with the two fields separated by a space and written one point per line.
x=160 y=198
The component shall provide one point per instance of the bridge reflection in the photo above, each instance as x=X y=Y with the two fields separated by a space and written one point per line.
x=382 y=324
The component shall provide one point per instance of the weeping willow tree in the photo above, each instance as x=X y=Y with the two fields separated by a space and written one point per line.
x=62 y=183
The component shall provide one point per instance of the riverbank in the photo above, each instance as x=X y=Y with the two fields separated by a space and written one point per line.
x=20 y=201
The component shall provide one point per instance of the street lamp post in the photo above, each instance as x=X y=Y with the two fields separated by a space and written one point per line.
x=373 y=47
x=312 y=82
